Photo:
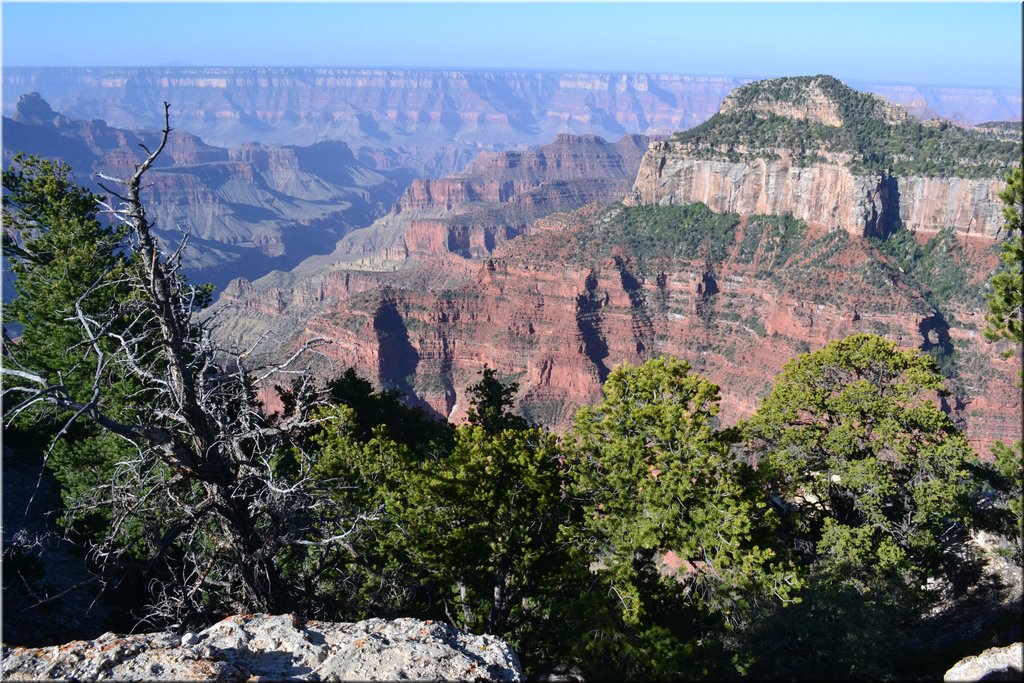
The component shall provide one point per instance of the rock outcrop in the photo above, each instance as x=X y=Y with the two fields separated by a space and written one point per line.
x=264 y=647
x=994 y=664
x=810 y=147
x=829 y=194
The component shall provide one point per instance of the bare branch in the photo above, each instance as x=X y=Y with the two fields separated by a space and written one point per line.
x=198 y=491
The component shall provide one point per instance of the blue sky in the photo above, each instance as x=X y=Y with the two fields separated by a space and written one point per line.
x=943 y=43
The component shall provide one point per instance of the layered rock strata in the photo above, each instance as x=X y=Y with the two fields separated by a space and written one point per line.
x=246 y=210
x=497 y=198
x=387 y=113
x=497 y=177
x=558 y=324
x=378 y=109
x=813 y=148
x=578 y=292
x=278 y=648
x=828 y=194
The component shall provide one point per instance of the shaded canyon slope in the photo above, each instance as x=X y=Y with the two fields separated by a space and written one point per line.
x=247 y=210
x=431 y=121
x=497 y=198
x=736 y=293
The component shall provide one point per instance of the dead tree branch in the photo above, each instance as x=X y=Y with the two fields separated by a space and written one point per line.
x=200 y=494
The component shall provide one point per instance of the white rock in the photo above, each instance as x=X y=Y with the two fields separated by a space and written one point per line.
x=277 y=648
x=994 y=664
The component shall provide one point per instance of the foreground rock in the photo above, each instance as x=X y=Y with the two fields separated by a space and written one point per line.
x=276 y=648
x=994 y=664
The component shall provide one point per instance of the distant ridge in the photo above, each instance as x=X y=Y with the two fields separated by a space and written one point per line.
x=431 y=120
x=376 y=109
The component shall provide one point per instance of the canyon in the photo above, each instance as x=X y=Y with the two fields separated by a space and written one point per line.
x=542 y=263
x=552 y=261
x=432 y=121
x=724 y=284
x=495 y=199
x=246 y=210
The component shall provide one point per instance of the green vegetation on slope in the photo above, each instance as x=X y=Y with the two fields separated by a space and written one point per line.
x=650 y=233
x=853 y=427
x=1006 y=302
x=1005 y=321
x=938 y=269
x=873 y=142
x=775 y=239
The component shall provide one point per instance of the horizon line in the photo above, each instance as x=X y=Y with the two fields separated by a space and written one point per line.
x=485 y=69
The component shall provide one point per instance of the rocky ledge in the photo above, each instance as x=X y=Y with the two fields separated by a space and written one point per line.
x=994 y=664
x=267 y=647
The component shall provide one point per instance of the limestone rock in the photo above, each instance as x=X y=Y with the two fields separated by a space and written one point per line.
x=994 y=664
x=276 y=648
x=828 y=194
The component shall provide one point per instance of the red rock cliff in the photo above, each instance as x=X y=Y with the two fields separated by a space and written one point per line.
x=559 y=325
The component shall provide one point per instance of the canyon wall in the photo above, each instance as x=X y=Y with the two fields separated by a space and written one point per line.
x=829 y=194
x=433 y=121
x=247 y=210
x=494 y=200
x=558 y=324
x=498 y=177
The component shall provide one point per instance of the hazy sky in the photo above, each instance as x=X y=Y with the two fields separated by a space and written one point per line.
x=948 y=43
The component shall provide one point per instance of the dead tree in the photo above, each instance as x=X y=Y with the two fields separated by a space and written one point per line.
x=216 y=515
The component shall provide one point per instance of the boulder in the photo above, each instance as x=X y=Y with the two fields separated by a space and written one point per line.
x=281 y=647
x=994 y=664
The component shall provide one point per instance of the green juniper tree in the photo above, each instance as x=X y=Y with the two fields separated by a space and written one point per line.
x=178 y=466
x=679 y=546
x=67 y=266
x=874 y=484
x=491 y=401
x=466 y=530
x=851 y=437
x=1006 y=322
x=1006 y=301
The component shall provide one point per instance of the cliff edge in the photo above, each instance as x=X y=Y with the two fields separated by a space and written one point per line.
x=813 y=148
